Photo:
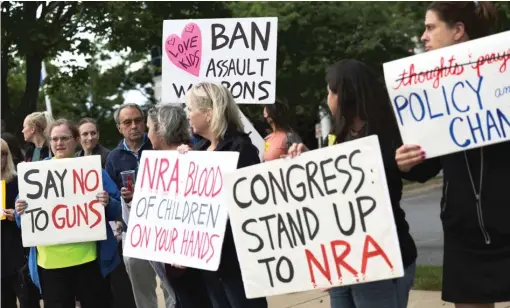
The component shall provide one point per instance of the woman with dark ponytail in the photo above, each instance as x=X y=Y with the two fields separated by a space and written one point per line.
x=475 y=206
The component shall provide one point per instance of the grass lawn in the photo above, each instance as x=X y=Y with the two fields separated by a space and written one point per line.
x=428 y=278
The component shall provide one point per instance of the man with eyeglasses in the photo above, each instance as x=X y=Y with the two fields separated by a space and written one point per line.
x=130 y=122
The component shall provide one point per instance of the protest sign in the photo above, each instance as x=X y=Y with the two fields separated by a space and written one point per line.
x=455 y=98
x=2 y=194
x=255 y=137
x=239 y=53
x=178 y=213
x=319 y=220
x=62 y=204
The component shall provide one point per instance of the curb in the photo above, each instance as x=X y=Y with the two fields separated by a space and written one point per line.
x=414 y=188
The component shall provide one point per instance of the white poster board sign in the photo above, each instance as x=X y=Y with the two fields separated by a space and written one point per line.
x=178 y=213
x=322 y=219
x=255 y=137
x=62 y=204
x=239 y=53
x=454 y=98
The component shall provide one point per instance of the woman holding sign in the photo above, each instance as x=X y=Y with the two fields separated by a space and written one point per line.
x=214 y=115
x=475 y=206
x=358 y=105
x=168 y=128
x=13 y=258
x=68 y=271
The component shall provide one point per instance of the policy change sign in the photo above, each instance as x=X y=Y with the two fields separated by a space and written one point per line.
x=178 y=213
x=454 y=98
x=62 y=204
x=239 y=53
x=320 y=220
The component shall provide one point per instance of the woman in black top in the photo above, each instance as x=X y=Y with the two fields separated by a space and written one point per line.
x=360 y=107
x=214 y=115
x=34 y=132
x=13 y=257
x=475 y=206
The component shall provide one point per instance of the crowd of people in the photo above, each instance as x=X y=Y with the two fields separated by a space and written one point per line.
x=474 y=206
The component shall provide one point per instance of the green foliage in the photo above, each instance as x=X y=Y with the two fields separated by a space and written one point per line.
x=37 y=31
x=311 y=36
x=314 y=35
x=428 y=278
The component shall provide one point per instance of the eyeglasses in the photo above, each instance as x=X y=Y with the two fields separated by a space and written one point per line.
x=130 y=122
x=61 y=138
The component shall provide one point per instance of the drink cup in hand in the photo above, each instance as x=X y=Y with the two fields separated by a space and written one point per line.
x=128 y=179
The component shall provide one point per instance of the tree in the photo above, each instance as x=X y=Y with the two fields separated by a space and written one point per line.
x=37 y=31
x=314 y=35
x=34 y=31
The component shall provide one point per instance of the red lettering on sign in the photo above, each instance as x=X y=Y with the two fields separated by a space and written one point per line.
x=409 y=76
x=64 y=216
x=198 y=244
x=155 y=173
x=324 y=270
x=140 y=236
x=340 y=260
x=83 y=182
x=372 y=254
x=206 y=182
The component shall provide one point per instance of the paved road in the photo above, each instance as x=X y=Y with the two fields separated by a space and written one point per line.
x=422 y=210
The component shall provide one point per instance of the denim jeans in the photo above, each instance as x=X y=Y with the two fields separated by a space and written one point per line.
x=392 y=293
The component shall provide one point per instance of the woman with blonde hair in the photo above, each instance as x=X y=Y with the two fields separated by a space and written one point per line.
x=214 y=115
x=34 y=129
x=12 y=248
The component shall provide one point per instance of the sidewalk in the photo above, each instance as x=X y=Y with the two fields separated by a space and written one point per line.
x=317 y=299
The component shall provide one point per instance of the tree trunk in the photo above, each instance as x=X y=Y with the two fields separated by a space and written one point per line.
x=6 y=107
x=33 y=81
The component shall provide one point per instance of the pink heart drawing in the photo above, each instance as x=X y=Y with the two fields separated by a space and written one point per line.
x=185 y=52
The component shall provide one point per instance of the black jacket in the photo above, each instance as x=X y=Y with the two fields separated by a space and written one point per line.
x=233 y=141
x=98 y=150
x=13 y=257
x=121 y=159
x=467 y=223
x=45 y=152
x=394 y=180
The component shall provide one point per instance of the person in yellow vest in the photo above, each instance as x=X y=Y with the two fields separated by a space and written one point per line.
x=78 y=270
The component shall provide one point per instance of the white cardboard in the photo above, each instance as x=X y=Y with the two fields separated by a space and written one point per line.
x=69 y=216
x=380 y=224
x=474 y=94
x=161 y=221
x=188 y=55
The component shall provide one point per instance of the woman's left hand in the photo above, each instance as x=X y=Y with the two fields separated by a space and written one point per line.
x=104 y=198
x=183 y=149
x=9 y=214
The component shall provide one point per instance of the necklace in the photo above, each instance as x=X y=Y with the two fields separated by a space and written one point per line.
x=478 y=195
